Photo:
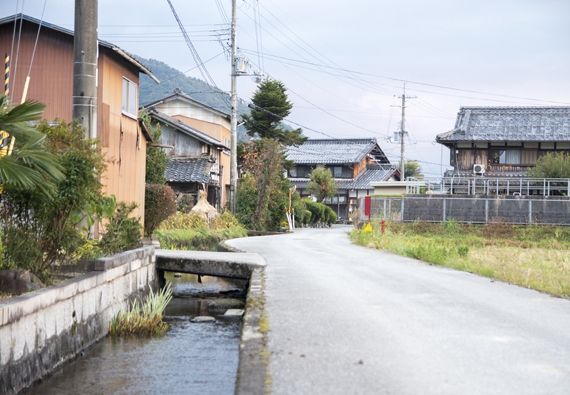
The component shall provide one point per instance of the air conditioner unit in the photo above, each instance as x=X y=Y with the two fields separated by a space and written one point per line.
x=478 y=169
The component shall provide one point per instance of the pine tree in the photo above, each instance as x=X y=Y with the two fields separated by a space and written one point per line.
x=270 y=106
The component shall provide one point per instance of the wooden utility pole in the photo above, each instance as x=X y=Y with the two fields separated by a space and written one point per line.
x=85 y=66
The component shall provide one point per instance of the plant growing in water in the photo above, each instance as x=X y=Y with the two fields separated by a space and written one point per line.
x=144 y=318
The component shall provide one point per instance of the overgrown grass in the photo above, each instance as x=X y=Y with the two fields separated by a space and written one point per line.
x=185 y=231
x=535 y=256
x=143 y=318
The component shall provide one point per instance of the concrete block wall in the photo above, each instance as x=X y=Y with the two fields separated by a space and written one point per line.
x=42 y=330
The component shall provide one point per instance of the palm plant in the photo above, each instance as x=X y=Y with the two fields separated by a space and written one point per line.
x=30 y=165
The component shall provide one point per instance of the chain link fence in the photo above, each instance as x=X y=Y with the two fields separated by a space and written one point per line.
x=482 y=210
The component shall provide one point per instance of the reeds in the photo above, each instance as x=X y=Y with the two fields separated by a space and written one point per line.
x=144 y=318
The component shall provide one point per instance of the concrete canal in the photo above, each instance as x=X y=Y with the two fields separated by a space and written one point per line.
x=192 y=358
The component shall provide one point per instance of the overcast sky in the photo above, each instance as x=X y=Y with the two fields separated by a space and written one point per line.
x=345 y=62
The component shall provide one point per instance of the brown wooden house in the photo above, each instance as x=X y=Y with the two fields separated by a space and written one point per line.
x=121 y=136
x=204 y=120
x=354 y=163
x=504 y=141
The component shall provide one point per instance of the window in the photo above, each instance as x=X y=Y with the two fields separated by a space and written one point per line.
x=293 y=172
x=130 y=96
x=506 y=157
x=337 y=171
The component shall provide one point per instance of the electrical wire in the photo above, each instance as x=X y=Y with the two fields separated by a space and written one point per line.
x=37 y=38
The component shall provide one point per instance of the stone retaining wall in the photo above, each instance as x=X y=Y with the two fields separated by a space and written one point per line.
x=42 y=330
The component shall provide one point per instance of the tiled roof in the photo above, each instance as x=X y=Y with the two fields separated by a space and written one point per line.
x=373 y=173
x=184 y=128
x=510 y=124
x=337 y=151
x=188 y=170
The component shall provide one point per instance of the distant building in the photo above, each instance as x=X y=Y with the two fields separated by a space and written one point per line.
x=504 y=141
x=194 y=159
x=354 y=163
x=191 y=117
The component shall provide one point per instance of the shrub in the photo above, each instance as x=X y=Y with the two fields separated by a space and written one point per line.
x=42 y=230
x=122 y=232
x=331 y=216
x=183 y=221
x=160 y=203
x=191 y=232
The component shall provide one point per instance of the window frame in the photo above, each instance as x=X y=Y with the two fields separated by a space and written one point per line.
x=127 y=98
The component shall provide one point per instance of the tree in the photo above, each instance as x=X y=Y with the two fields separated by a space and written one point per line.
x=270 y=106
x=156 y=158
x=263 y=190
x=551 y=165
x=30 y=165
x=322 y=184
x=412 y=169
x=160 y=200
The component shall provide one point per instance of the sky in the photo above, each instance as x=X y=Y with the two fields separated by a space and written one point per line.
x=345 y=63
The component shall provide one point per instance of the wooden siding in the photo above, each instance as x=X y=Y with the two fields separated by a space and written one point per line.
x=220 y=133
x=52 y=83
x=466 y=158
x=123 y=143
x=51 y=78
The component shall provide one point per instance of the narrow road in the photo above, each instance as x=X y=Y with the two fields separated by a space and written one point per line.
x=350 y=320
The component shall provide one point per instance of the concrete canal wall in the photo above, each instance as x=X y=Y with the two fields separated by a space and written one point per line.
x=42 y=330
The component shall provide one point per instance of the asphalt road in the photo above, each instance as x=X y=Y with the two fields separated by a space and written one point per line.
x=350 y=320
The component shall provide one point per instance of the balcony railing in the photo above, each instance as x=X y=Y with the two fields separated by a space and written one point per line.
x=489 y=186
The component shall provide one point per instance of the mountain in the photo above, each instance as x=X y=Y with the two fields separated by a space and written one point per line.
x=170 y=79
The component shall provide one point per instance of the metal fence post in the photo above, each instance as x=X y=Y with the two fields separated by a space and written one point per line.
x=385 y=208
x=530 y=211
x=487 y=211
x=403 y=205
x=444 y=200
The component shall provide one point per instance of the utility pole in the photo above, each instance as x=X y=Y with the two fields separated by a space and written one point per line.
x=403 y=133
x=85 y=66
x=234 y=104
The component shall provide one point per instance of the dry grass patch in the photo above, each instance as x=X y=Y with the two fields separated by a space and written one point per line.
x=535 y=257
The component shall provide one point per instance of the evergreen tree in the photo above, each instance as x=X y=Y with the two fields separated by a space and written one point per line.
x=270 y=106
x=322 y=184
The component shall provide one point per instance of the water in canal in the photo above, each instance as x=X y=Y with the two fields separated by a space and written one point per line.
x=192 y=358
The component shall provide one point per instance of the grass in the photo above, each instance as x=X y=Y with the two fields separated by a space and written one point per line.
x=190 y=232
x=534 y=256
x=144 y=318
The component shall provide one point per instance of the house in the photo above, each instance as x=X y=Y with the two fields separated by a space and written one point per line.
x=193 y=158
x=206 y=121
x=504 y=141
x=122 y=138
x=354 y=163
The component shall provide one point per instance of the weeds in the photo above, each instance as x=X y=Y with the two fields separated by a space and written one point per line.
x=143 y=318
x=532 y=256
x=191 y=232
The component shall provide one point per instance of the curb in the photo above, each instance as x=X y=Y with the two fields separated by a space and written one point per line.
x=253 y=369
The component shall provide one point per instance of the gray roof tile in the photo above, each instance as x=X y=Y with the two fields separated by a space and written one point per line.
x=188 y=170
x=337 y=151
x=373 y=173
x=510 y=124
